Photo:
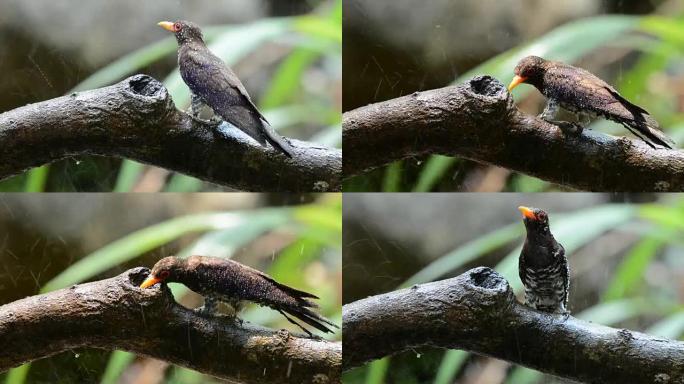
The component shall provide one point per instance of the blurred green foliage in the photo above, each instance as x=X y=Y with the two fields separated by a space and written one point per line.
x=316 y=233
x=314 y=44
x=658 y=43
x=628 y=299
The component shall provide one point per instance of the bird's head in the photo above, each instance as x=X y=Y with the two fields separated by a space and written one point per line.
x=185 y=31
x=535 y=219
x=166 y=269
x=529 y=70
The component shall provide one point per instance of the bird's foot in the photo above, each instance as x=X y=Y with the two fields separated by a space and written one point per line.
x=205 y=311
x=570 y=128
x=563 y=312
x=214 y=122
x=315 y=337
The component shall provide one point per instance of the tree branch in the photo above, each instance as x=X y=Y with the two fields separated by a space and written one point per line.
x=477 y=312
x=479 y=121
x=116 y=314
x=137 y=119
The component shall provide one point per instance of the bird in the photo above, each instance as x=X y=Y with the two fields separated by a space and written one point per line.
x=212 y=83
x=581 y=92
x=543 y=266
x=228 y=281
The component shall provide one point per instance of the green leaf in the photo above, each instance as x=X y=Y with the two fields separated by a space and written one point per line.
x=448 y=368
x=432 y=172
x=183 y=183
x=18 y=375
x=129 y=174
x=320 y=27
x=118 y=361
x=288 y=77
x=377 y=371
x=37 y=178
x=392 y=180
x=631 y=270
x=670 y=327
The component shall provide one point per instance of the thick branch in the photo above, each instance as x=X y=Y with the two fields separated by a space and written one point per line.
x=137 y=119
x=116 y=314
x=479 y=121
x=477 y=312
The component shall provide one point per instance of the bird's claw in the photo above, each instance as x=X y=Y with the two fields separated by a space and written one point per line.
x=570 y=128
x=204 y=311
x=566 y=315
x=212 y=122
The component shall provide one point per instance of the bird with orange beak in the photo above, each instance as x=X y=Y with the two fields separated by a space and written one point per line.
x=230 y=282
x=584 y=94
x=542 y=266
x=212 y=83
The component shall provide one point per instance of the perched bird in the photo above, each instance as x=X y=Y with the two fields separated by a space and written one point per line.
x=542 y=266
x=230 y=282
x=580 y=92
x=214 y=84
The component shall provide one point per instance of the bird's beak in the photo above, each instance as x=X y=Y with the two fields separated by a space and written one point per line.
x=527 y=212
x=166 y=25
x=150 y=281
x=516 y=81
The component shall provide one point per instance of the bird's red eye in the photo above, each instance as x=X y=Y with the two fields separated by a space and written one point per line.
x=177 y=27
x=163 y=274
x=541 y=215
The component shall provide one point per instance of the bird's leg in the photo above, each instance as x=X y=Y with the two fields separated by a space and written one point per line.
x=550 y=111
x=584 y=119
x=196 y=105
x=234 y=304
x=209 y=307
x=549 y=115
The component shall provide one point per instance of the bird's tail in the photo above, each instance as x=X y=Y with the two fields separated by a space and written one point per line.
x=655 y=134
x=300 y=306
x=309 y=317
x=278 y=142
x=643 y=124
x=648 y=130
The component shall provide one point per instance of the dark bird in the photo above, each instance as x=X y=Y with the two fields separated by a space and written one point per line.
x=580 y=92
x=542 y=266
x=230 y=282
x=214 y=84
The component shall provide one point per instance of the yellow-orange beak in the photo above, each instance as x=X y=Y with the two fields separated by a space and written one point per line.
x=516 y=81
x=150 y=281
x=166 y=25
x=527 y=212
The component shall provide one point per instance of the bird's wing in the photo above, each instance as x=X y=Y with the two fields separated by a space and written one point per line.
x=580 y=87
x=261 y=283
x=560 y=253
x=521 y=261
x=284 y=299
x=227 y=81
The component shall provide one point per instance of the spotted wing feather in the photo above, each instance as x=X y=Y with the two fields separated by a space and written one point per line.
x=584 y=91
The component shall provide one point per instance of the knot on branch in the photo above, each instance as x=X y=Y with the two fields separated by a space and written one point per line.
x=148 y=95
x=488 y=280
x=487 y=96
x=137 y=275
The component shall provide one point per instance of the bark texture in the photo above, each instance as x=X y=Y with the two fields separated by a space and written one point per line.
x=478 y=120
x=478 y=312
x=137 y=119
x=116 y=314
